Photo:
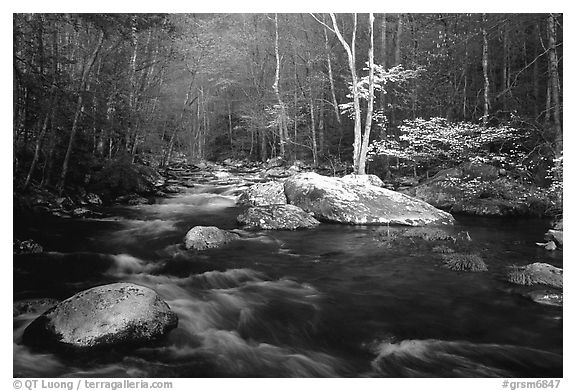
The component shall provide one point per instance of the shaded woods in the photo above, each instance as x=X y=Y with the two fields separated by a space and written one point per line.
x=90 y=89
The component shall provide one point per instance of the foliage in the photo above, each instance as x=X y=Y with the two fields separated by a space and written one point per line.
x=396 y=75
x=201 y=85
x=438 y=140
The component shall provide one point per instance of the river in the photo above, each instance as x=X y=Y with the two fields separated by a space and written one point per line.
x=331 y=301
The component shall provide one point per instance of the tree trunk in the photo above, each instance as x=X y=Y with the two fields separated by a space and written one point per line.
x=485 y=71
x=51 y=107
x=321 y=136
x=555 y=84
x=331 y=77
x=282 y=128
x=383 y=56
x=369 y=110
x=397 y=61
x=465 y=72
x=83 y=81
x=313 y=130
x=351 y=53
x=536 y=73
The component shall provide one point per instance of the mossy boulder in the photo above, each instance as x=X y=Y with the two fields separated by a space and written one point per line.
x=428 y=234
x=464 y=262
x=121 y=177
x=268 y=193
x=107 y=315
x=481 y=189
x=536 y=273
x=203 y=238
x=282 y=217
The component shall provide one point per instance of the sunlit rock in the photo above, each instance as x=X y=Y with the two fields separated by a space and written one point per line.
x=106 y=315
x=546 y=297
x=536 y=273
x=346 y=201
x=364 y=179
x=268 y=193
x=203 y=238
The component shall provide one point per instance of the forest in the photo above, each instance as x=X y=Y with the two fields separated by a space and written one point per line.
x=148 y=88
x=288 y=195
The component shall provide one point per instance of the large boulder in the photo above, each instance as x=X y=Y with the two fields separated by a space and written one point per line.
x=268 y=193
x=203 y=238
x=107 y=315
x=281 y=216
x=369 y=179
x=536 y=273
x=480 y=189
x=121 y=177
x=349 y=202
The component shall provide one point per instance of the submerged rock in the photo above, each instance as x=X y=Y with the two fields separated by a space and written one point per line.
x=26 y=247
x=347 y=201
x=464 y=262
x=556 y=236
x=443 y=250
x=203 y=238
x=93 y=199
x=106 y=315
x=268 y=193
x=536 y=273
x=546 y=297
x=281 y=216
x=428 y=234
x=81 y=212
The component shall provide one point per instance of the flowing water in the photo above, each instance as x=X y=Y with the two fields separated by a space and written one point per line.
x=332 y=301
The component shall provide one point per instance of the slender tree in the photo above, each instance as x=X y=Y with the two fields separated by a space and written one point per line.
x=78 y=110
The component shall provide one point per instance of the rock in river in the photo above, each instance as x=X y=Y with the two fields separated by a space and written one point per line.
x=268 y=193
x=107 y=315
x=355 y=202
x=536 y=273
x=203 y=238
x=282 y=216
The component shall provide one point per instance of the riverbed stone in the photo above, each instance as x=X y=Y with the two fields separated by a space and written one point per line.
x=546 y=297
x=267 y=193
x=348 y=202
x=464 y=262
x=26 y=247
x=282 y=216
x=106 y=315
x=207 y=237
x=93 y=199
x=555 y=236
x=536 y=273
